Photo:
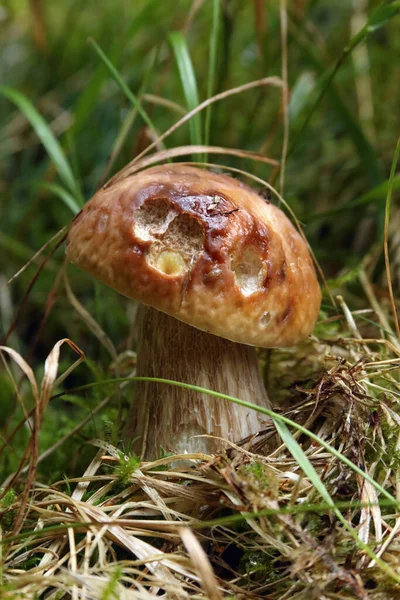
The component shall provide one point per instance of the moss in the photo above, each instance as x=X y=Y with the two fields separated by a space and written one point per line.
x=7 y=513
x=259 y=566
x=126 y=467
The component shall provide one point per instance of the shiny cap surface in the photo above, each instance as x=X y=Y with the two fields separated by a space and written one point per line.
x=204 y=248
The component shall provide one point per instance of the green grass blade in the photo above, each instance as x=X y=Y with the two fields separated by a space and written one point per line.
x=382 y=15
x=129 y=120
x=289 y=509
x=47 y=138
x=377 y=193
x=65 y=196
x=117 y=77
x=377 y=19
x=296 y=451
x=386 y=236
x=222 y=521
x=212 y=66
x=302 y=460
x=280 y=421
x=199 y=525
x=300 y=95
x=265 y=411
x=321 y=507
x=90 y=95
x=188 y=81
x=390 y=184
x=304 y=463
x=325 y=86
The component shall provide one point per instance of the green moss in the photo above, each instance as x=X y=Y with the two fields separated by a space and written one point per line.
x=259 y=566
x=391 y=454
x=259 y=477
x=126 y=467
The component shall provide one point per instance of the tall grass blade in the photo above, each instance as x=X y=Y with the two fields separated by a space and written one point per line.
x=188 y=81
x=212 y=66
x=121 y=83
x=376 y=194
x=382 y=15
x=265 y=411
x=90 y=95
x=386 y=236
x=300 y=95
x=47 y=138
x=280 y=422
x=128 y=121
x=366 y=152
x=300 y=457
x=65 y=196
x=302 y=460
x=377 y=19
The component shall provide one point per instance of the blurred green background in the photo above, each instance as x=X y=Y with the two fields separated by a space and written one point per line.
x=343 y=129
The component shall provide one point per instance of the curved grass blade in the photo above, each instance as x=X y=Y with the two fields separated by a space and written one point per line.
x=188 y=80
x=294 y=448
x=184 y=150
x=321 y=507
x=302 y=460
x=382 y=15
x=377 y=193
x=65 y=196
x=266 y=411
x=90 y=95
x=129 y=120
x=272 y=81
x=325 y=84
x=289 y=509
x=377 y=19
x=47 y=138
x=386 y=236
x=117 y=77
x=304 y=463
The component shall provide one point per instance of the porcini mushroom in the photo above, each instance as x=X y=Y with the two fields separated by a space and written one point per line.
x=218 y=271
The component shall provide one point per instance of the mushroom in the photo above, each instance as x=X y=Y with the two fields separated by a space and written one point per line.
x=218 y=271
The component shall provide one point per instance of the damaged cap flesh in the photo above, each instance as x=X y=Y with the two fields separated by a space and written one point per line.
x=203 y=248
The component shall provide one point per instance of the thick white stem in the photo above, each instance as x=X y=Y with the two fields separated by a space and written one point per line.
x=169 y=417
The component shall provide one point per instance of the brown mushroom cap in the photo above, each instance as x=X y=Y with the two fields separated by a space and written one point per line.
x=203 y=248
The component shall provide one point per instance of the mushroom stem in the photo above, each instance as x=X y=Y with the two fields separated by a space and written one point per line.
x=166 y=416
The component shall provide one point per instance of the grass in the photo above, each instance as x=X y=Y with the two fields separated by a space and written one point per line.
x=311 y=505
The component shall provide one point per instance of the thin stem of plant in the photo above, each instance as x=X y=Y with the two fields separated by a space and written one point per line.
x=386 y=237
x=285 y=94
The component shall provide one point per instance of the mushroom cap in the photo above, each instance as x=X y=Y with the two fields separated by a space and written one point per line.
x=203 y=248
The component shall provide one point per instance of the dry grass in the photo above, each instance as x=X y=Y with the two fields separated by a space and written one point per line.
x=245 y=524
x=249 y=523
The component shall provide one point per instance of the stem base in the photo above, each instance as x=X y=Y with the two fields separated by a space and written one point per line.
x=169 y=417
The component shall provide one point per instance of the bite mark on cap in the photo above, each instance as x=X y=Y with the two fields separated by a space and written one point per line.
x=179 y=247
x=248 y=272
x=153 y=218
